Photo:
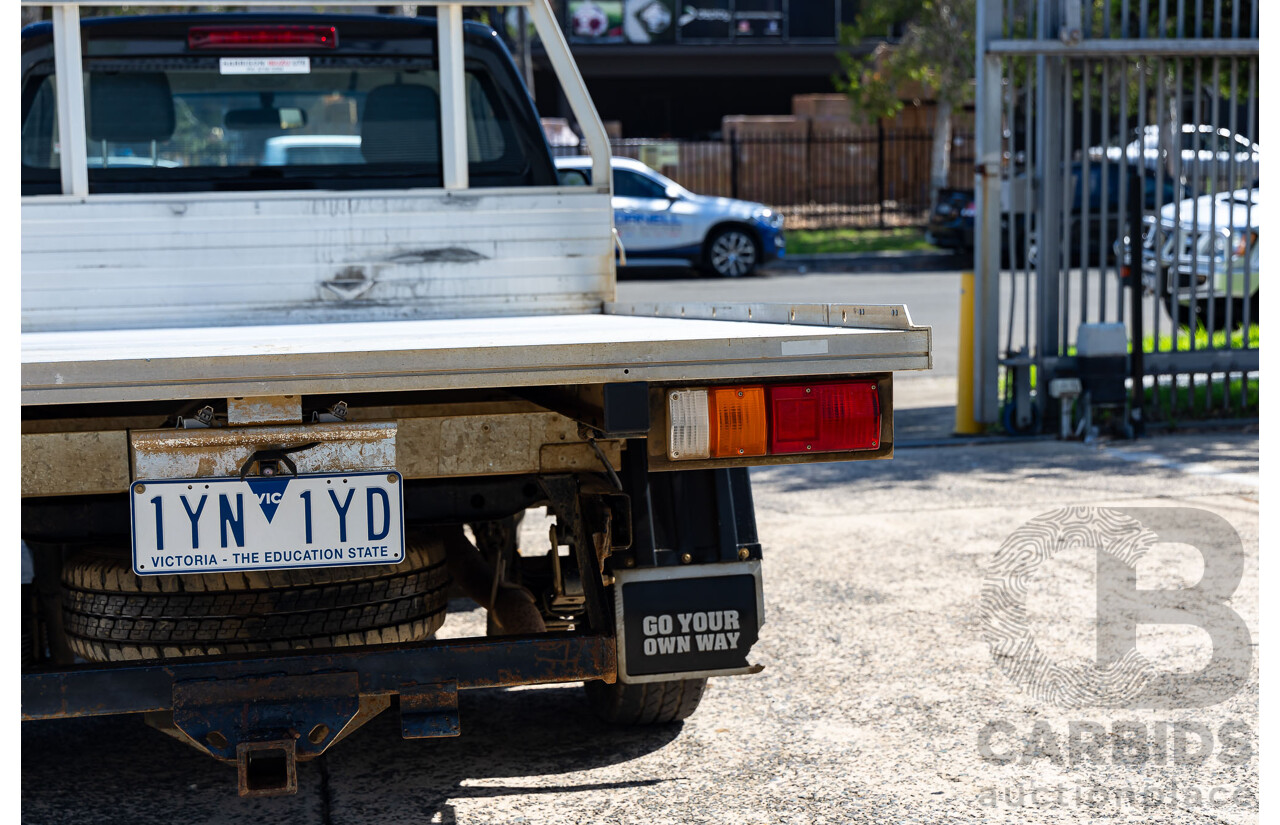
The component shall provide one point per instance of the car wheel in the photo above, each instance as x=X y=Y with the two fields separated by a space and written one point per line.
x=1189 y=316
x=732 y=252
x=1237 y=311
x=1187 y=313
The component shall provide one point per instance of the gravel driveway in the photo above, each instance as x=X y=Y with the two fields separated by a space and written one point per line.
x=876 y=692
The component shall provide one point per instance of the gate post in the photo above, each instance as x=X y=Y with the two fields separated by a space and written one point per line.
x=1054 y=171
x=1137 y=334
x=965 y=422
x=986 y=247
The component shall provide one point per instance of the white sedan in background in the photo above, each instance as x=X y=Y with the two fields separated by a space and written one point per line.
x=1202 y=257
x=660 y=223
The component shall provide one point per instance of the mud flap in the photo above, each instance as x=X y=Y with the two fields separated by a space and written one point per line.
x=689 y=621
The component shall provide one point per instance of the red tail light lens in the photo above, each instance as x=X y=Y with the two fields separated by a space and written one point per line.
x=262 y=37
x=817 y=418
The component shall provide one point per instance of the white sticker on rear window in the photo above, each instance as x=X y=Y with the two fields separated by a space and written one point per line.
x=264 y=65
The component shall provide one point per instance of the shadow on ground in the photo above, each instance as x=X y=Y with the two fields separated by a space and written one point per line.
x=1112 y=463
x=528 y=739
x=110 y=770
x=923 y=423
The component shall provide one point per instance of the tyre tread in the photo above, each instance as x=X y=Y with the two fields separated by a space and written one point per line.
x=647 y=703
x=111 y=614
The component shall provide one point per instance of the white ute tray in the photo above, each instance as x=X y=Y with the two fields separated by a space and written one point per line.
x=627 y=342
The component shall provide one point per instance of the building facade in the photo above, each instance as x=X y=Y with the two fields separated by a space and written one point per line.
x=669 y=68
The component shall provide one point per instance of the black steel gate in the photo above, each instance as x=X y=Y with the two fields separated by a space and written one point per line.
x=1117 y=181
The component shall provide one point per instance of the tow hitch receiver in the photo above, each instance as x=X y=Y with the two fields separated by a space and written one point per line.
x=267 y=768
x=265 y=724
x=690 y=621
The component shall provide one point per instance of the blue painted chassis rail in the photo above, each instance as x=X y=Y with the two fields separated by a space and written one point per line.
x=104 y=690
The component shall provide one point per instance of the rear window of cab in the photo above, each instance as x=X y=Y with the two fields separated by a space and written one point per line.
x=231 y=120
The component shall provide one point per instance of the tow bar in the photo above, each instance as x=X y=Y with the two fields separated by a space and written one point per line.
x=267 y=713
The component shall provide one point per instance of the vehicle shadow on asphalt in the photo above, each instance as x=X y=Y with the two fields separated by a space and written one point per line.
x=107 y=770
x=1107 y=464
x=921 y=423
x=527 y=739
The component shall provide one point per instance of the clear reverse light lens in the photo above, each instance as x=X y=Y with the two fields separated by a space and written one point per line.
x=690 y=434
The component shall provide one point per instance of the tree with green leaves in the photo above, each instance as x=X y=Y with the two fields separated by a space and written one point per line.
x=935 y=49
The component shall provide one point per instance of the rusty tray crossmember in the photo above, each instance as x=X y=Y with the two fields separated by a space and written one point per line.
x=265 y=713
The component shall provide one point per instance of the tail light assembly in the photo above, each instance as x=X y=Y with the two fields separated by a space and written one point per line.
x=782 y=419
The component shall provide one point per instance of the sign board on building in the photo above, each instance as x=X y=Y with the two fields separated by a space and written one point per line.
x=642 y=22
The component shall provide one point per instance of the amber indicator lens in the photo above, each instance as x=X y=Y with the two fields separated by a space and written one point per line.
x=739 y=425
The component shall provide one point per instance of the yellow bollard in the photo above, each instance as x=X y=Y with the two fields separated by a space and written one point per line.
x=965 y=422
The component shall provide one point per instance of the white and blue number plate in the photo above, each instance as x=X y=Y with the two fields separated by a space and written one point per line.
x=211 y=525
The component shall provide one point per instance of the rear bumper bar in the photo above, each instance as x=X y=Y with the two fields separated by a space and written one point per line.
x=103 y=690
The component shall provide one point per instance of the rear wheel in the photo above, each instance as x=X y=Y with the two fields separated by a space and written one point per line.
x=1194 y=314
x=1238 y=309
x=1187 y=312
x=649 y=703
x=732 y=252
x=111 y=614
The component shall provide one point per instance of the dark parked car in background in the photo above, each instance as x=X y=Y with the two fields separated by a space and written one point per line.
x=951 y=224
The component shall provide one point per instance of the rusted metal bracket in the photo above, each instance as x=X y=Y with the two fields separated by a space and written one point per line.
x=203 y=420
x=429 y=711
x=270 y=409
x=265 y=724
x=269 y=460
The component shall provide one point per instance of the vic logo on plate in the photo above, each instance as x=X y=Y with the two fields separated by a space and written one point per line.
x=269 y=492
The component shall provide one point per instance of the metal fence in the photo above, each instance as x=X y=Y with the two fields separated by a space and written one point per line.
x=1120 y=144
x=867 y=177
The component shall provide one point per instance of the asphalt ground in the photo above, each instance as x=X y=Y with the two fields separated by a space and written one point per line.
x=876 y=690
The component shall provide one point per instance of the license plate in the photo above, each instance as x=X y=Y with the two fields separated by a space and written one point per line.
x=211 y=525
x=687 y=621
